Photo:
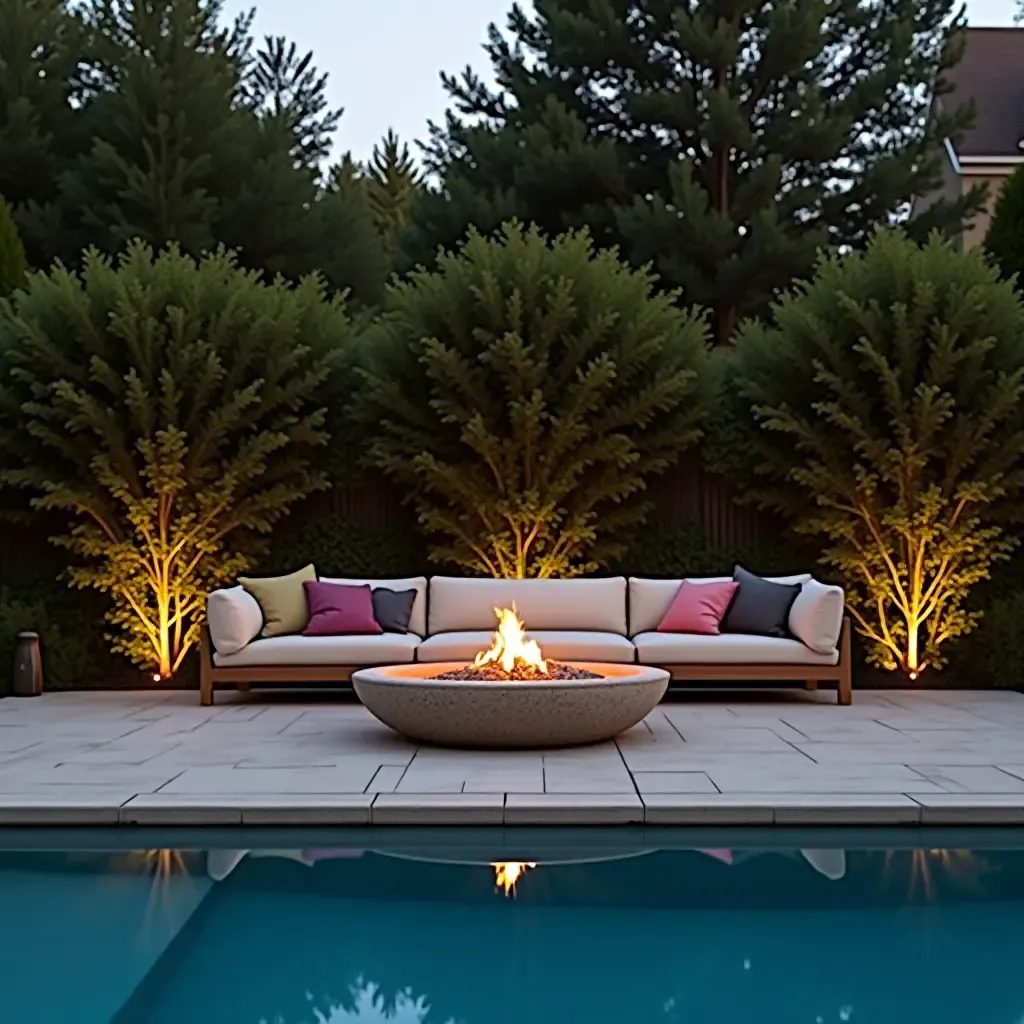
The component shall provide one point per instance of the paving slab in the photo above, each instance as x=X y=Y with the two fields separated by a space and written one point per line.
x=789 y=758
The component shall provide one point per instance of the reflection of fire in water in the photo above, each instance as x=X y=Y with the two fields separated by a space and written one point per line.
x=508 y=872
x=963 y=867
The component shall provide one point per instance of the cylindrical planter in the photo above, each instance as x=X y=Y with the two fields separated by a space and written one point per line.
x=27 y=680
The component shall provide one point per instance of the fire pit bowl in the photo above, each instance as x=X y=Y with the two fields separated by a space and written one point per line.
x=509 y=714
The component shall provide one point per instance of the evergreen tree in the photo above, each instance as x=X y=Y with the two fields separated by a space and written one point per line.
x=41 y=49
x=889 y=397
x=172 y=411
x=162 y=120
x=1004 y=240
x=393 y=183
x=724 y=141
x=282 y=85
x=524 y=393
x=12 y=255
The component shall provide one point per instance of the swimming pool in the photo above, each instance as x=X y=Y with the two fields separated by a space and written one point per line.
x=605 y=927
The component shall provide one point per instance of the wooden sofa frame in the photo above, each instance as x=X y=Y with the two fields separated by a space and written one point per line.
x=810 y=675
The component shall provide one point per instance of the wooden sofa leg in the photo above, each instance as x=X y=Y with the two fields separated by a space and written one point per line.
x=810 y=684
x=242 y=687
x=844 y=689
x=205 y=669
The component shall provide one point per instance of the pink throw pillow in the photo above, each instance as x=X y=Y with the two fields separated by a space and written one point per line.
x=698 y=608
x=339 y=609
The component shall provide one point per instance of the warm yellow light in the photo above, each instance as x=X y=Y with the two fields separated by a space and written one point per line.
x=508 y=872
x=509 y=646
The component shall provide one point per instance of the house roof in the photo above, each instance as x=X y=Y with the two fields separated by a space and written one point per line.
x=992 y=74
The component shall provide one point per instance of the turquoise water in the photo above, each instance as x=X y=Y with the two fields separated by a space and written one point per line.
x=599 y=931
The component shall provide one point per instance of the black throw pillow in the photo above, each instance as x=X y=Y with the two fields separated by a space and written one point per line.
x=393 y=609
x=760 y=607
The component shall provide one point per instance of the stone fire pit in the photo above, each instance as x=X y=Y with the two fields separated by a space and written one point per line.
x=513 y=714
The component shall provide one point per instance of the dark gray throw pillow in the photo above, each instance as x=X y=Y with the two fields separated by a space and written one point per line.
x=760 y=607
x=393 y=609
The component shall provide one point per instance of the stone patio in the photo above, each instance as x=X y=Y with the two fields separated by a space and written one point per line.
x=790 y=758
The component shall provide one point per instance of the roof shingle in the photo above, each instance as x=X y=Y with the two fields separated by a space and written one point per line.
x=992 y=74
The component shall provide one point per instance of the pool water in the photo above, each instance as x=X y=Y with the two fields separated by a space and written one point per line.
x=337 y=934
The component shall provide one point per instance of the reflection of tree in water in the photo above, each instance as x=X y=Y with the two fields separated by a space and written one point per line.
x=922 y=869
x=366 y=1005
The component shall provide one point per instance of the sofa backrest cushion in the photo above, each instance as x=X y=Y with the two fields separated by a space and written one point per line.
x=816 y=618
x=418 y=619
x=234 y=619
x=649 y=600
x=580 y=604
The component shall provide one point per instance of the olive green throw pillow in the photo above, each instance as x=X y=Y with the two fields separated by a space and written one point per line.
x=282 y=600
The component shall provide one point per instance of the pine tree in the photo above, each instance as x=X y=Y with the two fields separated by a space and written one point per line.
x=524 y=393
x=41 y=49
x=283 y=86
x=12 y=254
x=393 y=183
x=887 y=401
x=724 y=141
x=1004 y=240
x=172 y=412
x=162 y=119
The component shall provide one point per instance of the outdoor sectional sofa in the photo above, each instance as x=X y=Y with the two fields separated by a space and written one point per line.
x=604 y=619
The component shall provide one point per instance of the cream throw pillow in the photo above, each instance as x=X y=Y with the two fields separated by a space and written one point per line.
x=282 y=600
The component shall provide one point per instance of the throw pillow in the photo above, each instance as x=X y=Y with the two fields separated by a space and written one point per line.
x=760 y=607
x=282 y=600
x=698 y=608
x=339 y=609
x=393 y=609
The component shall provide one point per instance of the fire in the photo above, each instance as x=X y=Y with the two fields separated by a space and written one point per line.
x=509 y=647
x=507 y=873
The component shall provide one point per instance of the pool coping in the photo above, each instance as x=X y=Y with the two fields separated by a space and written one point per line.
x=510 y=809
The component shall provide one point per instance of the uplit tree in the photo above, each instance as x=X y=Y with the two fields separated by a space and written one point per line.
x=887 y=400
x=524 y=393
x=171 y=410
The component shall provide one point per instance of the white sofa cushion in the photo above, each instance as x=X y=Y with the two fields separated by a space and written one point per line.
x=234 y=619
x=649 y=599
x=816 y=617
x=560 y=645
x=725 y=649
x=418 y=619
x=581 y=604
x=386 y=648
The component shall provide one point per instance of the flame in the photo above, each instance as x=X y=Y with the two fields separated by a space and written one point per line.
x=509 y=646
x=508 y=872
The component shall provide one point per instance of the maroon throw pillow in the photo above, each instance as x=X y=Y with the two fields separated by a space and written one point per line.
x=339 y=609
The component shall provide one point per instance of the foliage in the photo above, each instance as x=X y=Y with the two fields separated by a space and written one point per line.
x=993 y=656
x=41 y=91
x=686 y=550
x=339 y=547
x=12 y=254
x=724 y=141
x=524 y=392
x=1004 y=240
x=171 y=411
x=164 y=121
x=65 y=620
x=888 y=395
x=393 y=183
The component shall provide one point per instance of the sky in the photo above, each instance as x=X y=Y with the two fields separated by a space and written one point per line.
x=384 y=57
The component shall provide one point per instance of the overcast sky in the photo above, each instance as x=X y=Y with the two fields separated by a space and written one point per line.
x=384 y=56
